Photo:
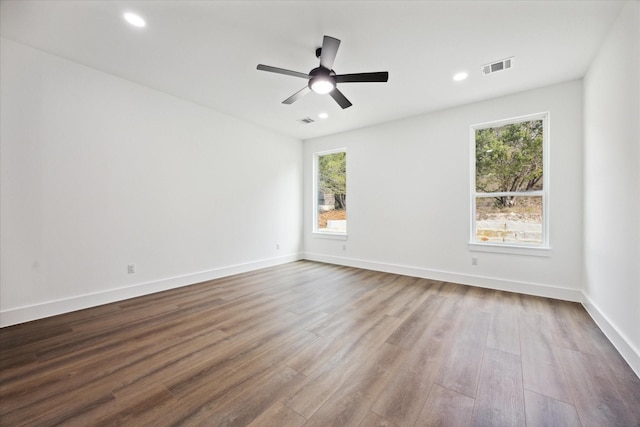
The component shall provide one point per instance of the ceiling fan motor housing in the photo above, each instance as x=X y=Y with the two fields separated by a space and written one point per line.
x=322 y=80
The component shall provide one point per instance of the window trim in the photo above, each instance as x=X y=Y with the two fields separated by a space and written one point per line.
x=316 y=233
x=513 y=248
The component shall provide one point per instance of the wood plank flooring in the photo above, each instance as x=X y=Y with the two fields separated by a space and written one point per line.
x=310 y=344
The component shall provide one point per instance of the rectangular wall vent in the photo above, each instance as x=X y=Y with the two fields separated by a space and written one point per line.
x=503 y=64
x=306 y=120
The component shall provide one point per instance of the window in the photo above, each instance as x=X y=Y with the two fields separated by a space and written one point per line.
x=330 y=189
x=509 y=197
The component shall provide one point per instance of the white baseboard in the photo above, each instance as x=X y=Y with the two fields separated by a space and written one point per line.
x=52 y=308
x=620 y=341
x=565 y=294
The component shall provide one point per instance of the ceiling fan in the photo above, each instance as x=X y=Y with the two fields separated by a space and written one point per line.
x=323 y=79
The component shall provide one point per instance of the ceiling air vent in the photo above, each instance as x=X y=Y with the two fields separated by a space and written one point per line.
x=306 y=120
x=503 y=64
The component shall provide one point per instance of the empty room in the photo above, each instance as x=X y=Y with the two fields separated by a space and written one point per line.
x=320 y=213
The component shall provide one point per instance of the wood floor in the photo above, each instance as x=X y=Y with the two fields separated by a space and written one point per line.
x=318 y=345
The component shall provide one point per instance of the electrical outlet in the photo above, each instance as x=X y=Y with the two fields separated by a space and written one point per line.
x=131 y=268
x=278 y=246
x=474 y=261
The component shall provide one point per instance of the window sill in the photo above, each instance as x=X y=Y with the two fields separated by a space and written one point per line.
x=329 y=235
x=541 y=251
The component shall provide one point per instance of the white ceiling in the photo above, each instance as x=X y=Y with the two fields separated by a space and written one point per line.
x=207 y=51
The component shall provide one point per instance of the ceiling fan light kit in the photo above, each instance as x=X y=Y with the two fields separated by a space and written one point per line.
x=323 y=80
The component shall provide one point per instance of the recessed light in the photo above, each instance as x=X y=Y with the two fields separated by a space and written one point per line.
x=460 y=76
x=135 y=20
x=323 y=115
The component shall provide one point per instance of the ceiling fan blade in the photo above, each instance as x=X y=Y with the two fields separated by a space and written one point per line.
x=381 y=77
x=328 y=52
x=282 y=71
x=340 y=98
x=299 y=94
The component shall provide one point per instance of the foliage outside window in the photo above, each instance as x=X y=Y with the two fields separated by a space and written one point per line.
x=330 y=187
x=509 y=196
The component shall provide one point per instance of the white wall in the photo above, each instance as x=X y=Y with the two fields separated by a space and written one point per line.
x=612 y=186
x=98 y=172
x=408 y=202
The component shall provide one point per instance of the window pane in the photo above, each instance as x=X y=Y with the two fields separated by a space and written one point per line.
x=516 y=220
x=332 y=192
x=509 y=157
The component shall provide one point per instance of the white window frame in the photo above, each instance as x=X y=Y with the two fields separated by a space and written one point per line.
x=514 y=248
x=317 y=233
